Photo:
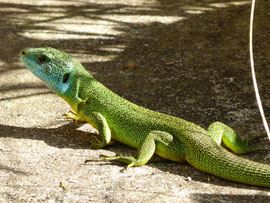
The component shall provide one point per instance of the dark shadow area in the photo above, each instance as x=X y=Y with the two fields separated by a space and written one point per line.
x=29 y=86
x=229 y=198
x=65 y=136
x=24 y=96
x=12 y=170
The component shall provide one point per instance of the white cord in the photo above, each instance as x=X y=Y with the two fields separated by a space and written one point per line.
x=259 y=102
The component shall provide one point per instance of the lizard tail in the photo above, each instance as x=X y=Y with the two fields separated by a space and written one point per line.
x=207 y=156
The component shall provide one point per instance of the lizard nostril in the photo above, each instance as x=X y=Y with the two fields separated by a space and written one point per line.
x=23 y=53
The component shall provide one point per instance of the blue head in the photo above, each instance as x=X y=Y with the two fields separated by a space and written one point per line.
x=57 y=69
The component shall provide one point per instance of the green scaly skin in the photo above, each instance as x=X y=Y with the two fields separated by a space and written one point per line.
x=148 y=131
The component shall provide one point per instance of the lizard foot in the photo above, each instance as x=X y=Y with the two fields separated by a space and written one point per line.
x=251 y=139
x=130 y=160
x=74 y=116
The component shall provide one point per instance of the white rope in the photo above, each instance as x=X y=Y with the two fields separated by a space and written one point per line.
x=259 y=102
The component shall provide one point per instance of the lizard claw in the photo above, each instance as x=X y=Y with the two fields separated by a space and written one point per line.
x=73 y=116
x=97 y=144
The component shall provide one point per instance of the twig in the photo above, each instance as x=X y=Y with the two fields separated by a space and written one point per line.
x=259 y=102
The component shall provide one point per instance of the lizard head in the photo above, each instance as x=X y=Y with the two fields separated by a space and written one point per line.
x=57 y=69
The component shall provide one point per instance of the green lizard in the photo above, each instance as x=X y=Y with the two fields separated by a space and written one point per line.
x=148 y=131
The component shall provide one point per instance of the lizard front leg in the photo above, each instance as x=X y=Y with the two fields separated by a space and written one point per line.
x=99 y=122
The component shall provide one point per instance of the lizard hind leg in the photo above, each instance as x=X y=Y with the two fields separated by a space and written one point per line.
x=145 y=151
x=220 y=132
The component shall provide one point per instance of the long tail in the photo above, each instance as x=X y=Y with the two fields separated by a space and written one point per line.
x=207 y=156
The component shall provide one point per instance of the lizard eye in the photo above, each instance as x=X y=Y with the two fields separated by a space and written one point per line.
x=42 y=59
x=65 y=77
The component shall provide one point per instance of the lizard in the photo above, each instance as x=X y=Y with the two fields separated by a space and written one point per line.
x=148 y=131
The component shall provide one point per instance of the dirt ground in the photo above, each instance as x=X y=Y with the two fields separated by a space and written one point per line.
x=185 y=58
